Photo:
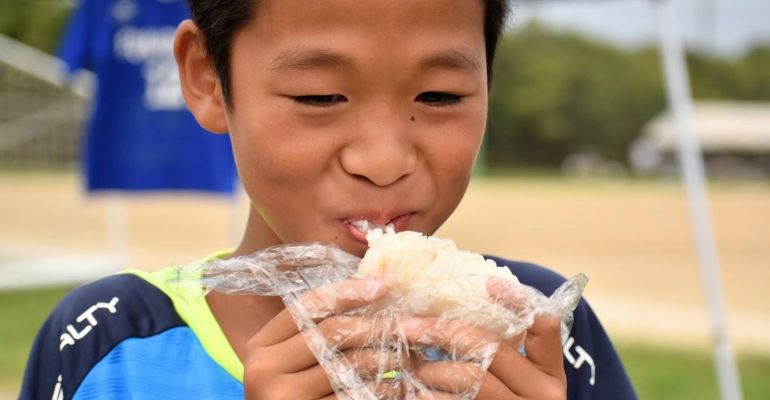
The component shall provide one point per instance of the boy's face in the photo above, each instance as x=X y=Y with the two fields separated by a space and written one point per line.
x=351 y=110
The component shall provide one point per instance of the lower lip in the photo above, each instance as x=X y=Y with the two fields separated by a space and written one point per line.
x=359 y=236
x=399 y=224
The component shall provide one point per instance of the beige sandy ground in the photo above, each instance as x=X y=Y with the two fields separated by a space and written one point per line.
x=632 y=238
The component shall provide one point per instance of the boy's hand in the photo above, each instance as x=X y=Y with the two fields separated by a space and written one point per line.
x=278 y=362
x=538 y=375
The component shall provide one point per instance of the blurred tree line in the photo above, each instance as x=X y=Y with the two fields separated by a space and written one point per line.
x=554 y=93
x=35 y=22
x=557 y=93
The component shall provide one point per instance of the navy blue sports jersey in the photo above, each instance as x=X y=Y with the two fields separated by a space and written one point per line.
x=593 y=368
x=130 y=337
x=141 y=135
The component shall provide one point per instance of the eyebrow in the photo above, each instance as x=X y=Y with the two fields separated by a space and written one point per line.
x=301 y=59
x=451 y=59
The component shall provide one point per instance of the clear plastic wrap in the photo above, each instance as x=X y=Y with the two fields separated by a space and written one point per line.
x=376 y=355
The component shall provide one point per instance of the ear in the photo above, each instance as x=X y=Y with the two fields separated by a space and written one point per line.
x=201 y=87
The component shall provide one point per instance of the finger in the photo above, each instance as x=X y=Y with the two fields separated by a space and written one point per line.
x=341 y=333
x=510 y=295
x=314 y=380
x=514 y=297
x=517 y=373
x=543 y=345
x=381 y=390
x=387 y=389
x=492 y=389
x=450 y=376
x=316 y=384
x=523 y=377
x=436 y=395
x=461 y=341
x=345 y=295
x=306 y=385
x=462 y=378
x=372 y=363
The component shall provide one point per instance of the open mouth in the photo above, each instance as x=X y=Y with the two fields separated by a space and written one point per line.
x=365 y=226
x=358 y=228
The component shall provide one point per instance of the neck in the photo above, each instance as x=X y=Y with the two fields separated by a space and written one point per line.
x=242 y=316
x=257 y=236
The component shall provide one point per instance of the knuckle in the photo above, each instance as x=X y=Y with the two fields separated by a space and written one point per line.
x=254 y=373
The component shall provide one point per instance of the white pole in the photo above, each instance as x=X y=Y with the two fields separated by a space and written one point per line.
x=691 y=166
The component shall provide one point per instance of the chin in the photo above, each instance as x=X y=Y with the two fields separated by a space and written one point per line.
x=352 y=247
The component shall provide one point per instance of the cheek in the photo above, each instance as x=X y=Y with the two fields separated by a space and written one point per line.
x=272 y=151
x=466 y=143
x=451 y=162
x=453 y=147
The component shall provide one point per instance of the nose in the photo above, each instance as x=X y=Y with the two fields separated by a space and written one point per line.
x=382 y=150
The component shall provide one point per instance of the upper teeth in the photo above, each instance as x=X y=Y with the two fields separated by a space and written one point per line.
x=366 y=226
x=362 y=225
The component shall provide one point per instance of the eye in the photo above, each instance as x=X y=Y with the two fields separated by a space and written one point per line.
x=439 y=99
x=321 y=100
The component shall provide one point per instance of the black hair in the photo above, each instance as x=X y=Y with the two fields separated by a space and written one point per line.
x=220 y=20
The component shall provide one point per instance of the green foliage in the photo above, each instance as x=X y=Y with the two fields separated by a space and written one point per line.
x=554 y=93
x=38 y=23
x=753 y=75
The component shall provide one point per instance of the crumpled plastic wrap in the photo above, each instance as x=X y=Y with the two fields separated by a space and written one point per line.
x=383 y=361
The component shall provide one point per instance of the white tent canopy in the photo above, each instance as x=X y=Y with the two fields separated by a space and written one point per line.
x=721 y=126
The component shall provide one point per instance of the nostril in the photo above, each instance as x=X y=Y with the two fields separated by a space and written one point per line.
x=381 y=166
x=362 y=178
x=374 y=181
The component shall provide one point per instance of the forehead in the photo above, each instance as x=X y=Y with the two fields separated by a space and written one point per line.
x=291 y=34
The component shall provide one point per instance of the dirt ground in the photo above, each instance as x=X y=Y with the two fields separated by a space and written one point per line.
x=632 y=238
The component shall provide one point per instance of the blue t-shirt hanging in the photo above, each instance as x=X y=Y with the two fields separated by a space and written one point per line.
x=141 y=135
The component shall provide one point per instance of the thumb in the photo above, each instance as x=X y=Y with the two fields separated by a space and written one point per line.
x=543 y=345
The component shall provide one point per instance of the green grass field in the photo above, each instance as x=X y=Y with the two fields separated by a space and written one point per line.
x=22 y=312
x=657 y=373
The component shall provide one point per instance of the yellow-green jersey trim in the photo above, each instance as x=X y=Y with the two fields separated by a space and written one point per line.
x=191 y=305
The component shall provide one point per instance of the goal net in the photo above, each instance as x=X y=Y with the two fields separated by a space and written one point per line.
x=41 y=128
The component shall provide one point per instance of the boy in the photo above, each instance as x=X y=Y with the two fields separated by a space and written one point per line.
x=338 y=111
